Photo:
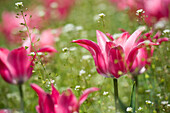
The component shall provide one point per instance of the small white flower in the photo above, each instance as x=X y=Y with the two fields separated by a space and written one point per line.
x=105 y=93
x=52 y=81
x=54 y=5
x=140 y=11
x=147 y=91
x=77 y=87
x=65 y=49
x=19 y=4
x=140 y=108
x=164 y=102
x=73 y=48
x=168 y=105
x=148 y=102
x=166 y=31
x=101 y=15
x=82 y=72
x=39 y=53
x=79 y=28
x=86 y=57
x=32 y=54
x=68 y=28
x=129 y=109
x=160 y=24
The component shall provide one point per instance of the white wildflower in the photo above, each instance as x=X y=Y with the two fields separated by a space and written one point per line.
x=68 y=28
x=65 y=49
x=101 y=15
x=18 y=4
x=148 y=102
x=105 y=93
x=129 y=109
x=164 y=102
x=82 y=72
x=86 y=57
x=73 y=48
x=140 y=109
x=77 y=87
x=79 y=28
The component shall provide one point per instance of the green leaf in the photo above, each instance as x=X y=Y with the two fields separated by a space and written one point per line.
x=122 y=106
x=133 y=97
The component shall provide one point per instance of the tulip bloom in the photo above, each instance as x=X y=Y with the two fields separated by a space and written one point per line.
x=44 y=42
x=15 y=66
x=116 y=57
x=155 y=10
x=143 y=58
x=60 y=103
x=5 y=111
x=10 y=27
x=58 y=8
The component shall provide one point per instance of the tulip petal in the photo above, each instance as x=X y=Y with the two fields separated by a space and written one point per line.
x=160 y=40
x=116 y=61
x=110 y=36
x=19 y=59
x=41 y=95
x=55 y=94
x=94 y=49
x=5 y=68
x=86 y=93
x=131 y=40
x=49 y=49
x=132 y=55
x=68 y=101
x=122 y=39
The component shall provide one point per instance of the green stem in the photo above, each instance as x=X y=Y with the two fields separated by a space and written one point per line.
x=21 y=98
x=136 y=89
x=116 y=94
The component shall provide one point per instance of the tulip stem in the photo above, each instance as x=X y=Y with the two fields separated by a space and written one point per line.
x=115 y=82
x=21 y=98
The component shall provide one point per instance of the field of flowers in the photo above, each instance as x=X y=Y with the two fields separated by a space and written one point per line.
x=84 y=56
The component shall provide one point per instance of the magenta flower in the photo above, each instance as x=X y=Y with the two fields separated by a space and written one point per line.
x=5 y=111
x=44 y=42
x=10 y=27
x=58 y=8
x=116 y=57
x=155 y=10
x=60 y=103
x=143 y=58
x=15 y=66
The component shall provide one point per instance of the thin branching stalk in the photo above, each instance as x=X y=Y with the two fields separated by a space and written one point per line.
x=32 y=44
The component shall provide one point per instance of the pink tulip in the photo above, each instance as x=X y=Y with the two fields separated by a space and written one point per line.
x=11 y=26
x=118 y=56
x=155 y=10
x=60 y=103
x=58 y=8
x=144 y=55
x=44 y=42
x=5 y=111
x=15 y=66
